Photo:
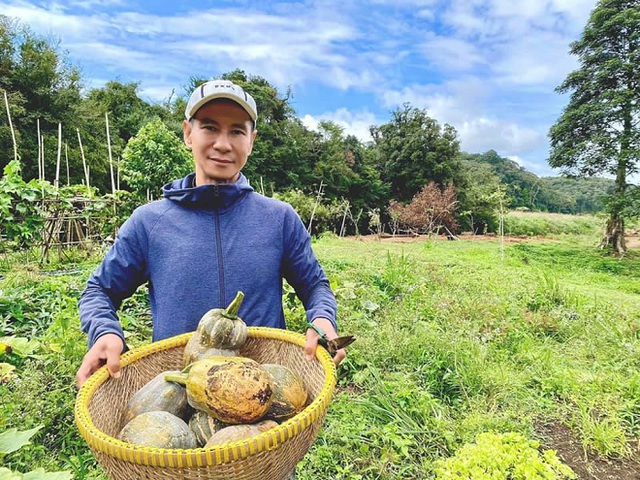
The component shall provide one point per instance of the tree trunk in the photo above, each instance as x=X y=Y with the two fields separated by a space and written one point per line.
x=614 y=235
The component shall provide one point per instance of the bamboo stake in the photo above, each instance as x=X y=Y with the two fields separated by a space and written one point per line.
x=42 y=154
x=56 y=183
x=13 y=134
x=40 y=176
x=113 y=181
x=313 y=212
x=84 y=164
x=66 y=158
x=344 y=218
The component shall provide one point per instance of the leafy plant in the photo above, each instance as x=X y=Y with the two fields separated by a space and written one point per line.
x=503 y=456
x=13 y=440
x=154 y=157
x=21 y=214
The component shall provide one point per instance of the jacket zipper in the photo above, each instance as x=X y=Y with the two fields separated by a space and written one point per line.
x=221 y=286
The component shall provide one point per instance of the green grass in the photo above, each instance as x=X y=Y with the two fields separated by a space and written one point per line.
x=549 y=224
x=454 y=339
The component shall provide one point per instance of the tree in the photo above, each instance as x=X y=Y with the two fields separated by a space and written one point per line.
x=430 y=210
x=127 y=114
x=154 y=157
x=480 y=198
x=598 y=130
x=413 y=150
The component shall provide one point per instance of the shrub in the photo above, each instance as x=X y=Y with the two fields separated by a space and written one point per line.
x=505 y=456
x=154 y=157
x=326 y=214
x=429 y=211
x=21 y=215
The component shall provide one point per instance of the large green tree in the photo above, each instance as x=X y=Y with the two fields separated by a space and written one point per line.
x=127 y=114
x=154 y=157
x=413 y=150
x=597 y=132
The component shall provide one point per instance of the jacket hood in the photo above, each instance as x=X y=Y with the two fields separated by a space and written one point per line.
x=206 y=196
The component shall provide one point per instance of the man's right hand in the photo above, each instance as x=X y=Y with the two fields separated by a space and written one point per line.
x=106 y=350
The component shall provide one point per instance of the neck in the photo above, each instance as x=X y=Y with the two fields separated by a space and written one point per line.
x=213 y=181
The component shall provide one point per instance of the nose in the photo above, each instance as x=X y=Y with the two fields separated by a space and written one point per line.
x=222 y=142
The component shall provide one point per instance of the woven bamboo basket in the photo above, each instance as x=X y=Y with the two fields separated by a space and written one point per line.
x=272 y=455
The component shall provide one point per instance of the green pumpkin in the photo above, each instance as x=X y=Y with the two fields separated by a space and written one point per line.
x=158 y=394
x=223 y=328
x=232 y=389
x=158 y=429
x=234 y=433
x=194 y=350
x=289 y=394
x=203 y=426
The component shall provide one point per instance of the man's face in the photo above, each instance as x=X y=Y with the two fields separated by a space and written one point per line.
x=221 y=138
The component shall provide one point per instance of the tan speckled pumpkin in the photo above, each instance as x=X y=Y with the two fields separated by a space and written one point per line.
x=232 y=389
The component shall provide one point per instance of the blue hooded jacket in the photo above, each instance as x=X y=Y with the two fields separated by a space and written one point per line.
x=196 y=248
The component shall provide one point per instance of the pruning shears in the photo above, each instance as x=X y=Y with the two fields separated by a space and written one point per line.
x=334 y=344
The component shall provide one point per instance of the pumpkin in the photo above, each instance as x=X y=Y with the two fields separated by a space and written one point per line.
x=289 y=394
x=194 y=350
x=234 y=433
x=204 y=425
x=158 y=429
x=158 y=394
x=223 y=328
x=232 y=389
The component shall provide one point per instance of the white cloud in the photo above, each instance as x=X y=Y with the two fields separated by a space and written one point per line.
x=452 y=53
x=541 y=170
x=481 y=134
x=452 y=102
x=353 y=123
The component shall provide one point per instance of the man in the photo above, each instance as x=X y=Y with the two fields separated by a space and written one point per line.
x=209 y=237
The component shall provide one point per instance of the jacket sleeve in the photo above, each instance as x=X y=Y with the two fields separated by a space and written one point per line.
x=304 y=273
x=120 y=273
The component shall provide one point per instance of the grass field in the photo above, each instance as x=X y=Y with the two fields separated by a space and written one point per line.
x=466 y=350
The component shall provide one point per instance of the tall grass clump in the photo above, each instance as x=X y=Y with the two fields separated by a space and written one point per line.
x=534 y=224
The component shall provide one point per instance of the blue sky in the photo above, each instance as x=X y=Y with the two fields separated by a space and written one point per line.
x=487 y=67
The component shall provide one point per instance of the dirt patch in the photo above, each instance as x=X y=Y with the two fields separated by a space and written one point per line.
x=633 y=243
x=587 y=465
x=632 y=239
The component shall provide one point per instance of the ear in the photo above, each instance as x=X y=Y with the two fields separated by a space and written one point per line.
x=254 y=134
x=186 y=133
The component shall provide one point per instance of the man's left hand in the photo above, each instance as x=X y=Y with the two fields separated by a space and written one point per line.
x=313 y=337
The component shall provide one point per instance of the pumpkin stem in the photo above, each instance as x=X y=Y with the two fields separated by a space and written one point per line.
x=232 y=310
x=180 y=378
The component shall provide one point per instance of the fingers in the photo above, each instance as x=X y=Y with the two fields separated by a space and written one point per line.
x=340 y=356
x=113 y=364
x=106 y=351
x=84 y=372
x=311 y=345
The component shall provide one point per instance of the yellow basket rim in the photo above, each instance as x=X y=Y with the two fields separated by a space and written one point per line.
x=200 y=457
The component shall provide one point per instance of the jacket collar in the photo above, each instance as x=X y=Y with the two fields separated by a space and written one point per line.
x=206 y=196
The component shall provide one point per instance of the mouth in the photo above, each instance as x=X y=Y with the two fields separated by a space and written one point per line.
x=223 y=161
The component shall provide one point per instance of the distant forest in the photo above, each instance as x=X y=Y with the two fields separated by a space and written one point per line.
x=526 y=190
x=45 y=96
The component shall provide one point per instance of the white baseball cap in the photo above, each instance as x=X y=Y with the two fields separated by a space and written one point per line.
x=220 y=89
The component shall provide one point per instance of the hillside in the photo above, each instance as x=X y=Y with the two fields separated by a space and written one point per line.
x=552 y=194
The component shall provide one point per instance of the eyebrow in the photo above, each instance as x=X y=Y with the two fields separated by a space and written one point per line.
x=208 y=120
